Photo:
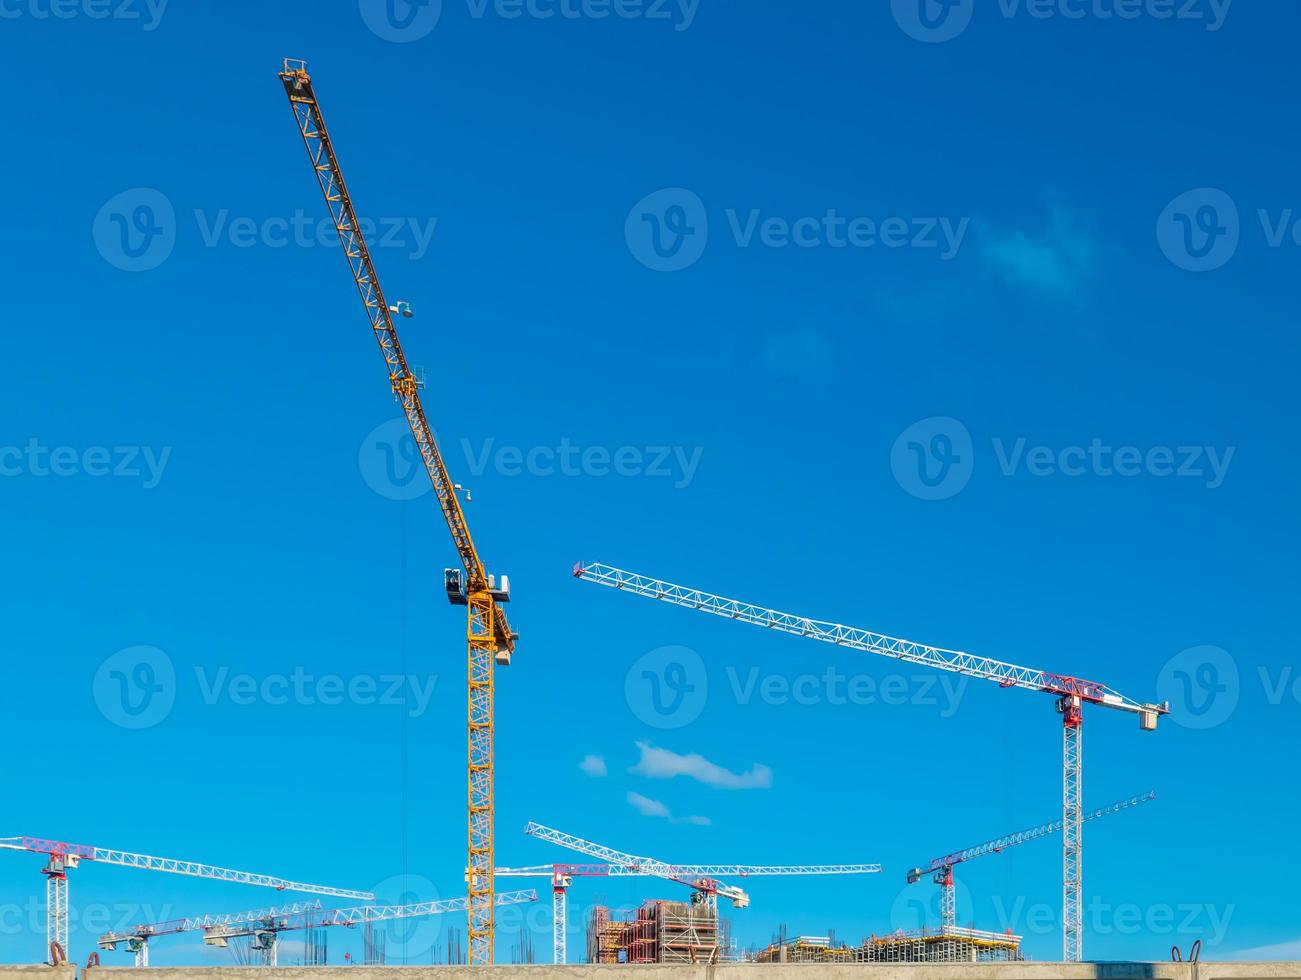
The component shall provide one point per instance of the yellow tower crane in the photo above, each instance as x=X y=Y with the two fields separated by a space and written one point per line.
x=491 y=640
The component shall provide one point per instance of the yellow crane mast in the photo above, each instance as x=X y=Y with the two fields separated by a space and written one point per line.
x=489 y=636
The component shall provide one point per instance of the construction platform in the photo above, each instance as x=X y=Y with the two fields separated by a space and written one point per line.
x=659 y=932
x=949 y=944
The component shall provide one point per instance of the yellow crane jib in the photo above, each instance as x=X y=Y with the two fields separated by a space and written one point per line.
x=489 y=637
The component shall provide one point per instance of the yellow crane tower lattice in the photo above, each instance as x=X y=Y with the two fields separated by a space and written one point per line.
x=489 y=636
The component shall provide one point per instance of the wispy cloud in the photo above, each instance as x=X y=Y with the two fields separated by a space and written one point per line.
x=1057 y=262
x=1278 y=951
x=648 y=807
x=654 y=808
x=594 y=765
x=662 y=764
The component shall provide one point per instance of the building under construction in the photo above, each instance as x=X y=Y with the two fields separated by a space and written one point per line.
x=658 y=932
x=948 y=944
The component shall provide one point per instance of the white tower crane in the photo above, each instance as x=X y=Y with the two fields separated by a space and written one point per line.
x=137 y=938
x=64 y=857
x=1071 y=695
x=265 y=925
x=941 y=868
x=701 y=877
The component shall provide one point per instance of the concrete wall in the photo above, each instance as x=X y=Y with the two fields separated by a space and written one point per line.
x=38 y=973
x=863 y=971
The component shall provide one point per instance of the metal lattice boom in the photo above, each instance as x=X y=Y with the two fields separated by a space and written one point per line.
x=853 y=638
x=195 y=869
x=490 y=639
x=1071 y=694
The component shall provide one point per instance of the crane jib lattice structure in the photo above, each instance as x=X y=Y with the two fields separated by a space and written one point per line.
x=63 y=857
x=1071 y=694
x=941 y=868
x=703 y=878
x=489 y=637
x=265 y=925
x=562 y=876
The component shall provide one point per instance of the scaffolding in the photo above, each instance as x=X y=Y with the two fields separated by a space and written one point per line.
x=948 y=944
x=657 y=932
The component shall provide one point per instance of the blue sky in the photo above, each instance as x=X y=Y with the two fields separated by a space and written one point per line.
x=978 y=333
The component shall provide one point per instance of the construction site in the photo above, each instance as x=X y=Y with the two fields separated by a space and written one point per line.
x=679 y=927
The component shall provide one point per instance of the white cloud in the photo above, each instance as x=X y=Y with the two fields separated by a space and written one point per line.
x=654 y=808
x=648 y=807
x=695 y=821
x=593 y=765
x=1057 y=262
x=663 y=764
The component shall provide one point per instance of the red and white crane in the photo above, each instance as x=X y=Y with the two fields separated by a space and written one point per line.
x=941 y=868
x=63 y=857
x=1071 y=694
x=265 y=925
x=701 y=877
